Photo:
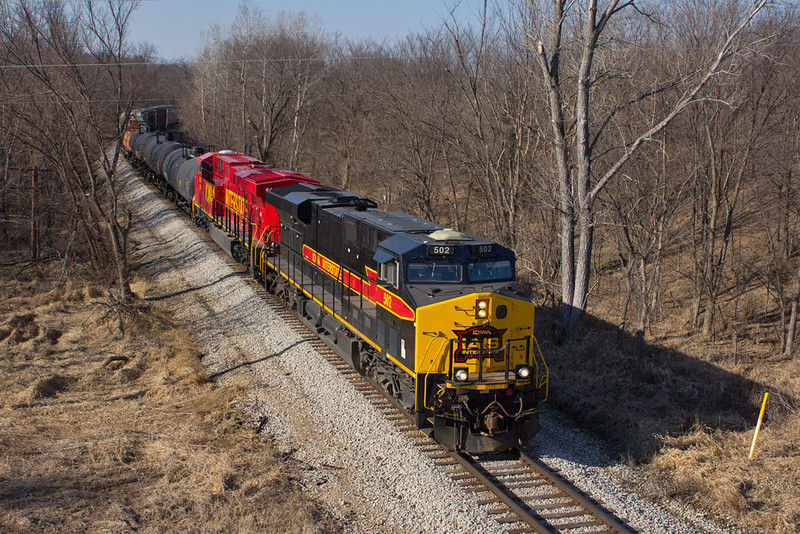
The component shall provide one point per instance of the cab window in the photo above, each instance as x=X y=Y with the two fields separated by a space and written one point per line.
x=433 y=272
x=207 y=171
x=490 y=271
x=389 y=273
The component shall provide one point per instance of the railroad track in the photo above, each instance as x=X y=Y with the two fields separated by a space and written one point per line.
x=521 y=492
x=528 y=496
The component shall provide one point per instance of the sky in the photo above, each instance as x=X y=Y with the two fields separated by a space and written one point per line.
x=174 y=27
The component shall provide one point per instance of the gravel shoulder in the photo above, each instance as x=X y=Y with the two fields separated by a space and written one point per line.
x=367 y=473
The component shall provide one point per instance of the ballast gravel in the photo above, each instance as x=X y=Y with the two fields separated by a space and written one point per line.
x=352 y=460
x=585 y=463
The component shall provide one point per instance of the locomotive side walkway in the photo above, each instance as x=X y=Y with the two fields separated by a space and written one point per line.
x=353 y=460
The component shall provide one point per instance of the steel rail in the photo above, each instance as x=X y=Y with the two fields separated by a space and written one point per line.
x=605 y=520
x=525 y=515
x=608 y=519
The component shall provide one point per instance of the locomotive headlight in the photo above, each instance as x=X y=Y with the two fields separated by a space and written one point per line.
x=461 y=374
x=523 y=372
x=482 y=309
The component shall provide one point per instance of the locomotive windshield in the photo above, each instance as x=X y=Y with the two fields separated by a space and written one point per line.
x=480 y=271
x=433 y=272
x=490 y=271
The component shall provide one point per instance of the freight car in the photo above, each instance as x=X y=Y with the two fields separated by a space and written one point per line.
x=435 y=316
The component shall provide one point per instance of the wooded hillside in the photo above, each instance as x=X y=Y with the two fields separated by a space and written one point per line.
x=641 y=158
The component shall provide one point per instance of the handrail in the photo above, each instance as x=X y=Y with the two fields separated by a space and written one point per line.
x=546 y=376
x=541 y=378
x=252 y=245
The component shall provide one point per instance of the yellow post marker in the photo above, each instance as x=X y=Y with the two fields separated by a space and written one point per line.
x=758 y=425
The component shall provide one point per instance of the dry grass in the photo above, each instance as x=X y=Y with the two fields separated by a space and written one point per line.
x=145 y=443
x=684 y=410
x=634 y=393
x=711 y=469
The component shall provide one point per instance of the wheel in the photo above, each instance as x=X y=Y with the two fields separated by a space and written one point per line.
x=240 y=254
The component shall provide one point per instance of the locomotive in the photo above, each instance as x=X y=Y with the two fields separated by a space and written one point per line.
x=433 y=315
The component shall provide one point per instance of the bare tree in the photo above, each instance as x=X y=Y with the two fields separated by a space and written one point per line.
x=497 y=137
x=573 y=34
x=270 y=66
x=346 y=123
x=776 y=190
x=644 y=206
x=75 y=55
x=9 y=125
x=420 y=106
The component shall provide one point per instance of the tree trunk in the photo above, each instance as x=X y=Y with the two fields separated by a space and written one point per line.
x=708 y=317
x=786 y=211
x=4 y=204
x=582 y=271
x=118 y=242
x=346 y=171
x=34 y=218
x=243 y=87
x=583 y=157
x=784 y=334
x=645 y=304
x=793 y=318
x=203 y=100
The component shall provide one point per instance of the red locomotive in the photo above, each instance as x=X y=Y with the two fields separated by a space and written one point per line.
x=229 y=202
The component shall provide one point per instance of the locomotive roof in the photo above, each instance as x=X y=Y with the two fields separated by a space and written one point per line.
x=413 y=228
x=394 y=221
x=410 y=230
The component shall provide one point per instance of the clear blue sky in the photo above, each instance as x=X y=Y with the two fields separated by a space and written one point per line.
x=174 y=26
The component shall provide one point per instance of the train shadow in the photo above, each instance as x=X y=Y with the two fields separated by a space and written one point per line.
x=191 y=289
x=635 y=394
x=218 y=374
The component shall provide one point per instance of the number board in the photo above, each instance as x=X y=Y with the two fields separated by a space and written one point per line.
x=482 y=249
x=441 y=250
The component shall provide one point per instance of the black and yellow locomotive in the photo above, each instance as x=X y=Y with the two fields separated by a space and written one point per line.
x=433 y=315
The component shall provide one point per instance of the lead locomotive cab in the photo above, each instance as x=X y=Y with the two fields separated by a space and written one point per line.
x=480 y=375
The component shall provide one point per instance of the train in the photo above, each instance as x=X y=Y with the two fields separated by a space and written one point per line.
x=433 y=315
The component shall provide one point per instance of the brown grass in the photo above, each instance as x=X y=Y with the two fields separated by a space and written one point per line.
x=142 y=444
x=684 y=409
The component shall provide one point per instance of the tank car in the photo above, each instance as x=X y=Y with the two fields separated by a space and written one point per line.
x=153 y=145
x=155 y=119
